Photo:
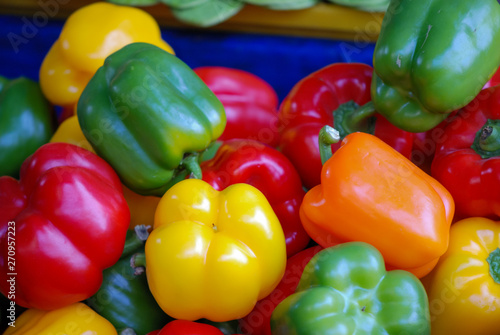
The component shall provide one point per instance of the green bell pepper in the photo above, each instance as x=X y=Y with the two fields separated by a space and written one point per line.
x=345 y=289
x=433 y=57
x=124 y=298
x=149 y=116
x=26 y=122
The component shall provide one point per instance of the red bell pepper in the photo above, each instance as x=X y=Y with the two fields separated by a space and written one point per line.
x=61 y=224
x=467 y=162
x=267 y=169
x=258 y=322
x=425 y=143
x=251 y=104
x=183 y=327
x=310 y=105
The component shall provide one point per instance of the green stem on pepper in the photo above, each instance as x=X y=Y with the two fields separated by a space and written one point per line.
x=135 y=239
x=494 y=262
x=487 y=140
x=327 y=137
x=138 y=263
x=350 y=117
x=128 y=331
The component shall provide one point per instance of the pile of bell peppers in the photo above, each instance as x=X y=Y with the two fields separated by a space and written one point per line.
x=172 y=200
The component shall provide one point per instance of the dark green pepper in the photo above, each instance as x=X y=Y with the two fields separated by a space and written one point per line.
x=345 y=289
x=433 y=57
x=149 y=116
x=124 y=298
x=26 y=122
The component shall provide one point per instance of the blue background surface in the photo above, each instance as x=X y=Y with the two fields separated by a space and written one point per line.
x=280 y=60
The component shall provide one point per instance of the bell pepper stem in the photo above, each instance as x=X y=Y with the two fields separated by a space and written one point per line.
x=487 y=140
x=191 y=164
x=327 y=137
x=494 y=262
x=210 y=151
x=128 y=331
x=350 y=118
x=138 y=263
x=135 y=239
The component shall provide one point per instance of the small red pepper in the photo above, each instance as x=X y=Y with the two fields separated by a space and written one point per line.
x=61 y=225
x=258 y=322
x=267 y=169
x=467 y=162
x=314 y=102
x=183 y=327
x=251 y=104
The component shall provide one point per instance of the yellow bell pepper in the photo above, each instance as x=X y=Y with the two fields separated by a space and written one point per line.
x=69 y=131
x=213 y=254
x=142 y=208
x=75 y=319
x=464 y=287
x=88 y=36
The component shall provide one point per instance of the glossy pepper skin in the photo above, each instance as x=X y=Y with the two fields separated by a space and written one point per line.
x=346 y=289
x=144 y=111
x=88 y=36
x=26 y=122
x=74 y=319
x=371 y=193
x=258 y=321
x=426 y=47
x=267 y=169
x=251 y=104
x=142 y=208
x=465 y=284
x=184 y=327
x=67 y=212
x=124 y=298
x=213 y=254
x=311 y=104
x=467 y=162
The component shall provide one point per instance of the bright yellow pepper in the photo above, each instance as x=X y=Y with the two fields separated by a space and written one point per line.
x=213 y=254
x=142 y=208
x=75 y=319
x=89 y=35
x=464 y=287
x=69 y=131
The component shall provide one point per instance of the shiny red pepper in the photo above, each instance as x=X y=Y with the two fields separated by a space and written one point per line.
x=425 y=143
x=311 y=104
x=257 y=164
x=258 y=322
x=183 y=327
x=467 y=162
x=61 y=224
x=251 y=104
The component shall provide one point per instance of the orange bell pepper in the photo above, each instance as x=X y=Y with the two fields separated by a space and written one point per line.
x=371 y=193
